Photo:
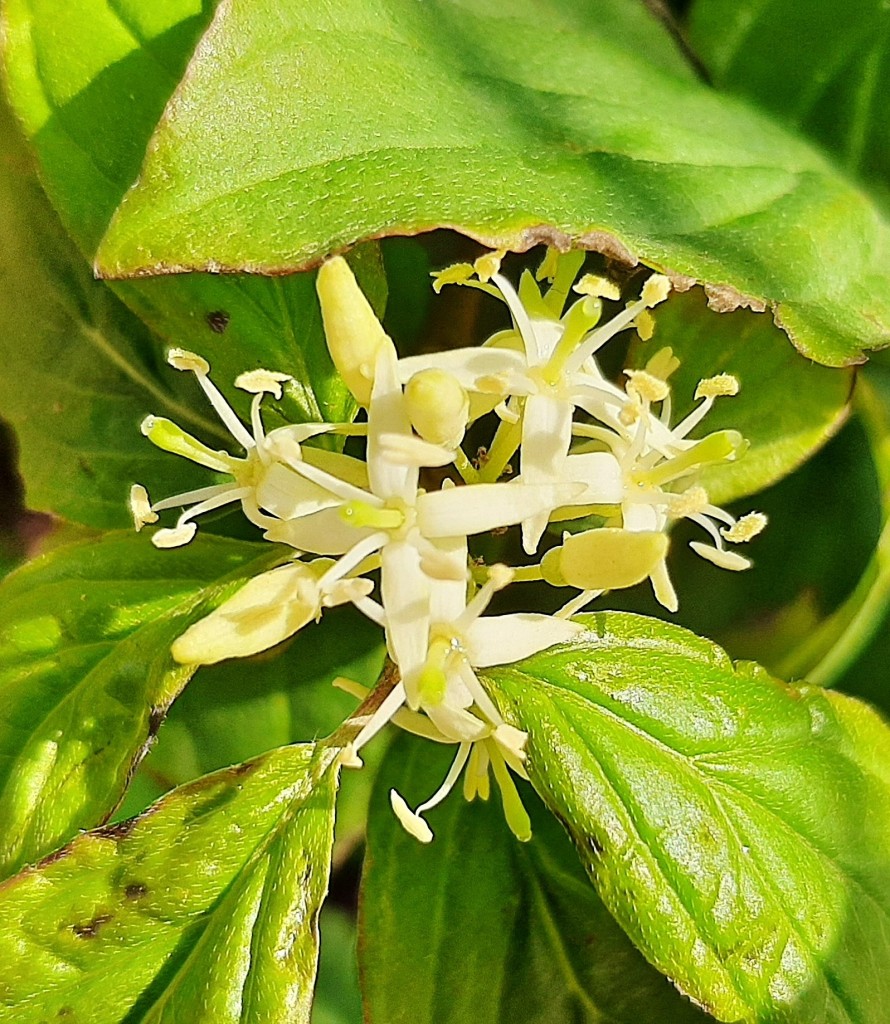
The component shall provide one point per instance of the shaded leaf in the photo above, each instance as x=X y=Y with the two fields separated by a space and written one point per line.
x=204 y=909
x=479 y=927
x=514 y=130
x=830 y=649
x=787 y=407
x=80 y=370
x=89 y=121
x=736 y=827
x=86 y=674
x=236 y=710
x=832 y=81
x=337 y=996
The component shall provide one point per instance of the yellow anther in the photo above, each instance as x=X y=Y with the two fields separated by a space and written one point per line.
x=645 y=325
x=457 y=273
x=648 y=387
x=692 y=502
x=140 y=507
x=500 y=575
x=663 y=363
x=489 y=264
x=182 y=359
x=656 y=290
x=259 y=382
x=717 y=387
x=746 y=528
x=598 y=287
x=629 y=414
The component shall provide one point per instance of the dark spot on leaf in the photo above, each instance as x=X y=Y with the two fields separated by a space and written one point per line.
x=243 y=769
x=91 y=929
x=218 y=321
x=65 y=1011
x=155 y=720
x=136 y=890
x=120 y=830
x=86 y=468
x=596 y=847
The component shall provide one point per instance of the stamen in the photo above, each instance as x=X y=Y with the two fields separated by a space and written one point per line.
x=182 y=359
x=412 y=823
x=746 y=528
x=649 y=387
x=393 y=701
x=724 y=384
x=517 y=817
x=655 y=290
x=489 y=265
x=140 y=507
x=692 y=501
x=259 y=382
x=598 y=287
x=169 y=437
x=175 y=537
x=457 y=765
x=720 y=557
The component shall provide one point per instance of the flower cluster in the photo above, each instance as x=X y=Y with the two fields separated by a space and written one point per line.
x=374 y=533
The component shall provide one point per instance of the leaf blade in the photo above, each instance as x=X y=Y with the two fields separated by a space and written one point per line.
x=730 y=823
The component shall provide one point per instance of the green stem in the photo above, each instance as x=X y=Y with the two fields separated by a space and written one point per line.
x=503 y=448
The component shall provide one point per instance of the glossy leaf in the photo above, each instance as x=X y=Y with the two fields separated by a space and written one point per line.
x=736 y=827
x=337 y=996
x=512 y=130
x=236 y=710
x=89 y=119
x=479 y=927
x=787 y=406
x=833 y=78
x=204 y=909
x=86 y=674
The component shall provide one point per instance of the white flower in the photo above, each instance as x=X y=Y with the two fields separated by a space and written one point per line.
x=555 y=372
x=264 y=486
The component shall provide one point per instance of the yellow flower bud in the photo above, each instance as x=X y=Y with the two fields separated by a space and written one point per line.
x=354 y=335
x=604 y=559
x=438 y=407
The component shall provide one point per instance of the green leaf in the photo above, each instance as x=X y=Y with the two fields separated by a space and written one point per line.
x=86 y=674
x=203 y=910
x=537 y=127
x=337 y=996
x=89 y=120
x=236 y=710
x=479 y=927
x=831 y=82
x=80 y=370
x=831 y=648
x=787 y=407
x=737 y=828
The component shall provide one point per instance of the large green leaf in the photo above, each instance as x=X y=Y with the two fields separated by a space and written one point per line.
x=89 y=80
x=478 y=927
x=738 y=828
x=833 y=77
x=787 y=407
x=203 y=910
x=86 y=674
x=238 y=709
x=540 y=125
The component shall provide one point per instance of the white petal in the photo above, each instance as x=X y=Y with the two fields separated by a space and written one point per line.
x=600 y=472
x=404 y=589
x=445 y=562
x=413 y=824
x=524 y=324
x=407 y=450
x=502 y=639
x=546 y=435
x=466 y=364
x=457 y=724
x=463 y=511
x=322 y=533
x=387 y=415
x=641 y=518
x=288 y=495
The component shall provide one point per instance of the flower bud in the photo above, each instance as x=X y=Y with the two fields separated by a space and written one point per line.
x=438 y=407
x=354 y=335
x=604 y=559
